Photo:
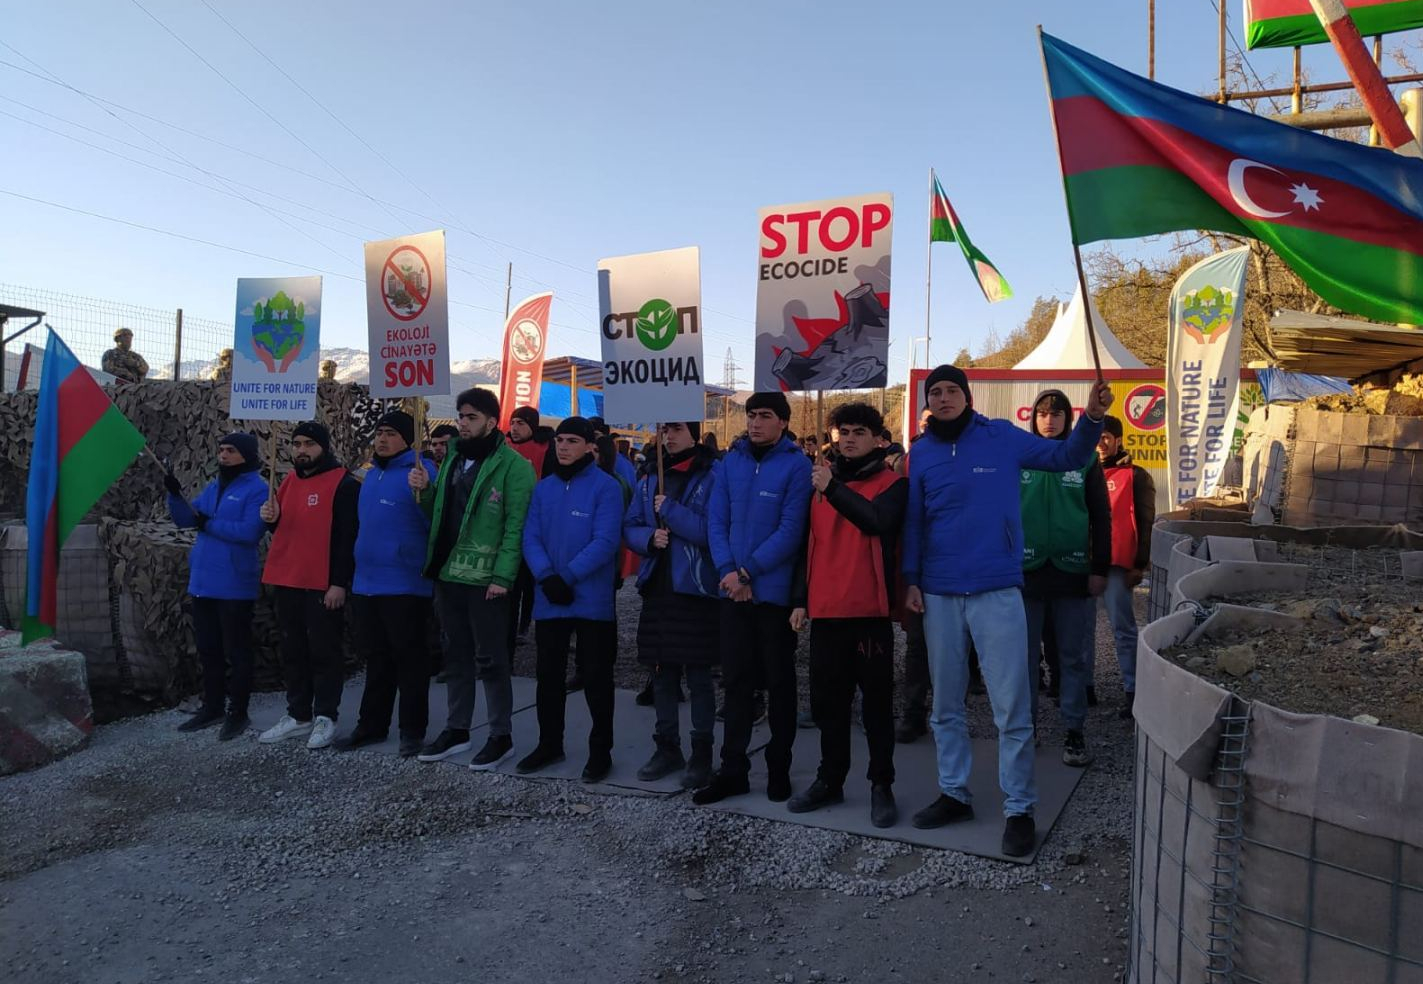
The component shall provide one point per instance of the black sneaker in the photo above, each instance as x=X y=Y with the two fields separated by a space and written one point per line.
x=540 y=758
x=721 y=786
x=497 y=749
x=234 y=725
x=910 y=730
x=1074 y=750
x=818 y=794
x=449 y=743
x=357 y=739
x=644 y=696
x=1019 y=836
x=778 y=787
x=942 y=812
x=1091 y=696
x=598 y=767
x=410 y=745
x=204 y=717
x=883 y=811
x=1125 y=714
x=665 y=761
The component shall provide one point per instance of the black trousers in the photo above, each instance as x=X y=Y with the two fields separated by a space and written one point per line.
x=597 y=650
x=916 y=668
x=311 y=652
x=222 y=629
x=391 y=638
x=846 y=653
x=757 y=648
x=521 y=606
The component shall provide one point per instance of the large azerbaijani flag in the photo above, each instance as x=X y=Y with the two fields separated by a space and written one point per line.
x=82 y=445
x=1286 y=23
x=945 y=227
x=1140 y=159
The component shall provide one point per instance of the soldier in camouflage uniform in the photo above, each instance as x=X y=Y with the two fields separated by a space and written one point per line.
x=122 y=361
x=328 y=370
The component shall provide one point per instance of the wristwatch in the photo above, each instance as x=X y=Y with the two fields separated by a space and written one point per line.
x=742 y=576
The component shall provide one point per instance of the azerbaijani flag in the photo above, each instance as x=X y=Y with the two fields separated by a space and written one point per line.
x=945 y=227
x=82 y=445
x=1286 y=23
x=1140 y=159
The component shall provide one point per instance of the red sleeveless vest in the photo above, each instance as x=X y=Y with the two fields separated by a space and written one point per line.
x=1119 y=493
x=845 y=566
x=300 y=552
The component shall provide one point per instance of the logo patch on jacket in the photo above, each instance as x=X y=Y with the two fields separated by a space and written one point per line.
x=980 y=470
x=581 y=515
x=495 y=497
x=314 y=499
x=1072 y=478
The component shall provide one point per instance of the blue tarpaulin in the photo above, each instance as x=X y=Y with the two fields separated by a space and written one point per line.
x=556 y=400
x=1277 y=385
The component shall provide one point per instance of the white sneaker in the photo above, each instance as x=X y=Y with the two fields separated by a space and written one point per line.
x=321 y=732
x=287 y=727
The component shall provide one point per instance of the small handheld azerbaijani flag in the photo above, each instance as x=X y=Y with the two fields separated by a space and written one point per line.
x=945 y=227
x=83 y=443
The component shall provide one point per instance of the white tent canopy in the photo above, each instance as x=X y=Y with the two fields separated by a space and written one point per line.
x=1066 y=345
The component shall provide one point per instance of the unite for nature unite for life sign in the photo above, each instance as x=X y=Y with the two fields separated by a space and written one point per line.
x=822 y=294
x=650 y=305
x=275 y=348
x=408 y=316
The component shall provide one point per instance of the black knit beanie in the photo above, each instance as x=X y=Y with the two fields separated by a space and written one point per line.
x=578 y=427
x=528 y=415
x=245 y=444
x=317 y=432
x=400 y=422
x=952 y=374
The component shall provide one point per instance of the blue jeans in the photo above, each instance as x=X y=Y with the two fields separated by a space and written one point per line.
x=1120 y=613
x=1072 y=618
x=994 y=620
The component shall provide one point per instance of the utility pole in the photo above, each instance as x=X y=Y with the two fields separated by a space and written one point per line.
x=508 y=285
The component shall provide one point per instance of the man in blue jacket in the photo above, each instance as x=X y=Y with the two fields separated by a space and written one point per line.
x=390 y=596
x=571 y=542
x=223 y=579
x=756 y=529
x=963 y=565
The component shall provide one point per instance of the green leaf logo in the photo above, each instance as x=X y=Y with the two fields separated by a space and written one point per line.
x=656 y=324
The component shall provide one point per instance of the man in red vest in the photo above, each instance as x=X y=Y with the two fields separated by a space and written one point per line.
x=310 y=562
x=1132 y=495
x=535 y=444
x=849 y=594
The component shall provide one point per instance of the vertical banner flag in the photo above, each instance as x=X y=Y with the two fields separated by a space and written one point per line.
x=1203 y=372
x=83 y=443
x=945 y=227
x=822 y=294
x=652 y=342
x=407 y=311
x=276 y=348
x=522 y=369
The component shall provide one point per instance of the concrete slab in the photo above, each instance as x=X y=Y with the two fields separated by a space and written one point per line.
x=915 y=787
x=45 y=709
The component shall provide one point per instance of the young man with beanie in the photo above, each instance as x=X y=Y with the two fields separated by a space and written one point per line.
x=223 y=576
x=1067 y=540
x=1132 y=495
x=849 y=593
x=311 y=561
x=677 y=632
x=390 y=596
x=963 y=567
x=477 y=506
x=571 y=543
x=756 y=530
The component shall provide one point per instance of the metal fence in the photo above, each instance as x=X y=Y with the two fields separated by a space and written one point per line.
x=173 y=342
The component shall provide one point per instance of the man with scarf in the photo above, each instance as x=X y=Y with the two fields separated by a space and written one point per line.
x=963 y=567
x=390 y=597
x=477 y=506
x=849 y=593
x=310 y=562
x=1132 y=495
x=571 y=543
x=756 y=530
x=222 y=579
x=677 y=632
x=1067 y=546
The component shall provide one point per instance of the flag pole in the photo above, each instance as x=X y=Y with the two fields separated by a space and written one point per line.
x=1076 y=249
x=928 y=269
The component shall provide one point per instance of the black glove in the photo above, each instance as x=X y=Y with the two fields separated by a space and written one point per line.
x=200 y=520
x=557 y=590
x=171 y=483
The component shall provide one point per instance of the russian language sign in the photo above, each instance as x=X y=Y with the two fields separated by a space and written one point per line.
x=276 y=348
x=408 y=316
x=652 y=341
x=822 y=294
x=522 y=369
x=1203 y=372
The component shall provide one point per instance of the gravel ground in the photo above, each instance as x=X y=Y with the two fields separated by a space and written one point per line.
x=155 y=856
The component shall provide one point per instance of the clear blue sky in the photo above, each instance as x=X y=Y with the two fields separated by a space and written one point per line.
x=552 y=134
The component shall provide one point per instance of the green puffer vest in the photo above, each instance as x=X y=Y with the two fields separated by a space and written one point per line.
x=1055 y=519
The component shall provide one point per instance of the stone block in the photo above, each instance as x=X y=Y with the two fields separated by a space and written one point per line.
x=45 y=709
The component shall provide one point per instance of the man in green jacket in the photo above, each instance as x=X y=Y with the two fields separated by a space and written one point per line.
x=477 y=507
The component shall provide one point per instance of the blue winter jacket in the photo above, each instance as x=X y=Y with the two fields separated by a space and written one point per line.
x=685 y=517
x=963 y=533
x=223 y=563
x=574 y=530
x=626 y=470
x=758 y=515
x=392 y=531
